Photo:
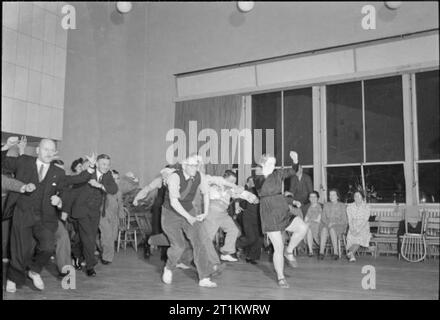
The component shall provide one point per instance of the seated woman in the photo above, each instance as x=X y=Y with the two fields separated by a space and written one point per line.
x=333 y=222
x=358 y=235
x=312 y=213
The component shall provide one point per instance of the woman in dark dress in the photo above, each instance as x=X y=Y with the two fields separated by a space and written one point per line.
x=275 y=215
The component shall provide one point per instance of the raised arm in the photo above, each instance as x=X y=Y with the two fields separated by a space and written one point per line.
x=155 y=184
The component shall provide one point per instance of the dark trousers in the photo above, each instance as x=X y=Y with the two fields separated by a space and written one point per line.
x=252 y=240
x=75 y=241
x=88 y=230
x=401 y=232
x=156 y=213
x=6 y=231
x=178 y=230
x=23 y=240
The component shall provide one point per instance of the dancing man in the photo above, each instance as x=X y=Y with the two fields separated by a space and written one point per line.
x=179 y=220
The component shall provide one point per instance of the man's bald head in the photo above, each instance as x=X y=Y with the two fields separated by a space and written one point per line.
x=46 y=150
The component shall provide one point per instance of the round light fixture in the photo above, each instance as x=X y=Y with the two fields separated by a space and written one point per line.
x=393 y=5
x=124 y=7
x=245 y=6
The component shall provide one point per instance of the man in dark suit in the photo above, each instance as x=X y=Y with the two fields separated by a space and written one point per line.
x=300 y=186
x=34 y=214
x=89 y=206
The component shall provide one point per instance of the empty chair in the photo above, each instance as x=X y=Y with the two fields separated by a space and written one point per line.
x=413 y=247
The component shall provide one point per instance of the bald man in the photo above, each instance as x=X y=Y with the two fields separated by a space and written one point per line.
x=35 y=219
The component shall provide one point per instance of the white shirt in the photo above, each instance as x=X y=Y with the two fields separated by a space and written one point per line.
x=45 y=168
x=98 y=175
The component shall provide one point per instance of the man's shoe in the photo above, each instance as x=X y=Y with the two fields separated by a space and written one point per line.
x=167 y=276
x=335 y=257
x=91 y=272
x=251 y=261
x=36 y=279
x=10 y=286
x=62 y=275
x=182 y=266
x=207 y=283
x=105 y=262
x=320 y=256
x=228 y=257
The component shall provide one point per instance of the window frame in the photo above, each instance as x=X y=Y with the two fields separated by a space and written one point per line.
x=415 y=132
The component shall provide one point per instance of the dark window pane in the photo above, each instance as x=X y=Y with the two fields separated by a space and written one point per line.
x=428 y=115
x=298 y=125
x=429 y=182
x=346 y=179
x=266 y=114
x=384 y=119
x=344 y=123
x=385 y=183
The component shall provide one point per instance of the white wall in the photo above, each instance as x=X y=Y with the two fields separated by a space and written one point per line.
x=33 y=69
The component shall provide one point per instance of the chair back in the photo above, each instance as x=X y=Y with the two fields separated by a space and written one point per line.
x=388 y=225
x=432 y=226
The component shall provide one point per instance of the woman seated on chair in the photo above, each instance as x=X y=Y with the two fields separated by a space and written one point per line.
x=333 y=222
x=312 y=217
x=358 y=234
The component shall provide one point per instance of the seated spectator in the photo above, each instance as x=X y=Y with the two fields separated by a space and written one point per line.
x=333 y=222
x=312 y=212
x=358 y=234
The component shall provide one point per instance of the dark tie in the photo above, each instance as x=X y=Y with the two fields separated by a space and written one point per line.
x=41 y=173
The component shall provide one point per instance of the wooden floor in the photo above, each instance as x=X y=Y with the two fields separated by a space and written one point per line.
x=132 y=277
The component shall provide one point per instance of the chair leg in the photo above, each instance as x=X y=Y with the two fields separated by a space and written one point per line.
x=135 y=241
x=119 y=241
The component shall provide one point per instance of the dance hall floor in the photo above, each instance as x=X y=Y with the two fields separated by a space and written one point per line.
x=132 y=277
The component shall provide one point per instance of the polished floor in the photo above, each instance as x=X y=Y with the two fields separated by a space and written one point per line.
x=132 y=277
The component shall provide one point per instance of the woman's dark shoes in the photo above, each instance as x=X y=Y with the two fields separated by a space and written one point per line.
x=91 y=272
x=335 y=257
x=147 y=251
x=320 y=256
x=105 y=262
x=251 y=261
x=77 y=264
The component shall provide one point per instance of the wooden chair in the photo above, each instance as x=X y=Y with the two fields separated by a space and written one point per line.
x=386 y=237
x=342 y=245
x=128 y=229
x=432 y=234
x=413 y=248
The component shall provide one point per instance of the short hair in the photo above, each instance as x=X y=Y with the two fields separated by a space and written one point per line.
x=361 y=192
x=58 y=162
x=103 y=156
x=229 y=173
x=75 y=163
x=314 y=192
x=249 y=178
x=334 y=190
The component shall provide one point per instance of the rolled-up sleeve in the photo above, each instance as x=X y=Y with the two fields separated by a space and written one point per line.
x=204 y=188
x=174 y=186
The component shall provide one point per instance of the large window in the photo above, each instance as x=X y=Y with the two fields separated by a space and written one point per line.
x=365 y=139
x=266 y=115
x=289 y=114
x=428 y=135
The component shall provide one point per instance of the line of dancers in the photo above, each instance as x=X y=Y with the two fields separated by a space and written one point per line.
x=190 y=228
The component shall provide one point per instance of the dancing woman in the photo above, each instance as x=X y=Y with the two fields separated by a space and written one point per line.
x=275 y=215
